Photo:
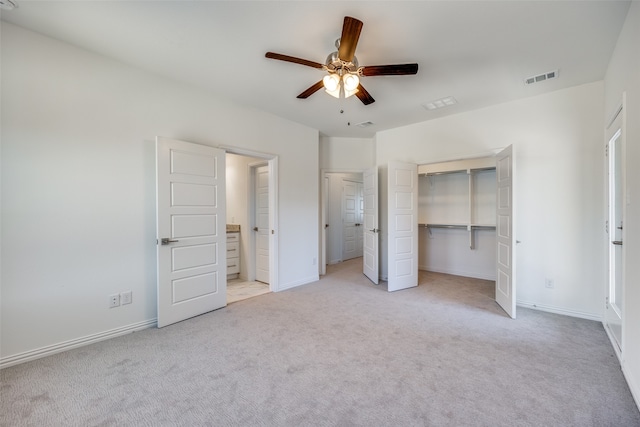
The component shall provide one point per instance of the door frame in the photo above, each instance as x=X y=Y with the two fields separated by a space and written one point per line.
x=272 y=162
x=324 y=207
x=619 y=113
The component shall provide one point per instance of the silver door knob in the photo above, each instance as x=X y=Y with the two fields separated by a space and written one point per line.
x=167 y=240
x=255 y=228
x=617 y=242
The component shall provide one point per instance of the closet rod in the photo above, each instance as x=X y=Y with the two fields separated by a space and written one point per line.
x=488 y=168
x=462 y=227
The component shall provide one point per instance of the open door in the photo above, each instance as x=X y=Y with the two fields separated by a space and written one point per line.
x=505 y=240
x=191 y=230
x=402 y=225
x=370 y=262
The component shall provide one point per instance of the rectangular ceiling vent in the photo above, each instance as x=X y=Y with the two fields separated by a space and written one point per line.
x=541 y=77
x=440 y=103
x=365 y=124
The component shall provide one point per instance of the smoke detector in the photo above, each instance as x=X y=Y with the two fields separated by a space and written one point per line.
x=541 y=77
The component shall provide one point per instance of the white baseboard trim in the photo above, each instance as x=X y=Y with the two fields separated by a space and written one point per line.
x=633 y=386
x=458 y=273
x=558 y=310
x=310 y=279
x=27 y=356
x=612 y=340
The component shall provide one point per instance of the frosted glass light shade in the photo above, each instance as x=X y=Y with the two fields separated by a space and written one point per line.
x=331 y=82
x=351 y=82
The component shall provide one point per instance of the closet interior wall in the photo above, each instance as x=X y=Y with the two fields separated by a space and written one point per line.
x=457 y=218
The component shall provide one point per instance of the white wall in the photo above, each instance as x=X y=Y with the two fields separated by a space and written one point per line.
x=623 y=75
x=559 y=196
x=346 y=154
x=78 y=187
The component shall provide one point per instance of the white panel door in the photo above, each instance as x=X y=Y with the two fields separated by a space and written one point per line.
x=191 y=230
x=505 y=240
x=370 y=261
x=615 y=229
x=262 y=224
x=350 y=218
x=402 y=181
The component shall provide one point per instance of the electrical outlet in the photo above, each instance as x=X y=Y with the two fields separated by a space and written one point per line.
x=548 y=283
x=125 y=297
x=114 y=300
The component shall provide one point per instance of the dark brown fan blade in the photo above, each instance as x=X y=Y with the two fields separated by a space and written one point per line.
x=313 y=89
x=364 y=96
x=293 y=59
x=390 y=70
x=350 y=34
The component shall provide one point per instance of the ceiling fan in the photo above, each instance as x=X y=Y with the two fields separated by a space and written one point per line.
x=343 y=78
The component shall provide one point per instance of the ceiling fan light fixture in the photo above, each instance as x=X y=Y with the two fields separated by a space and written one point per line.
x=351 y=82
x=331 y=82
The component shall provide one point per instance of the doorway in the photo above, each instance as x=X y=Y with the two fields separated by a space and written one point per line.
x=251 y=210
x=615 y=228
x=342 y=203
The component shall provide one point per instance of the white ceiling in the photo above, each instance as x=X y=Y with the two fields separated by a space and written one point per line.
x=479 y=52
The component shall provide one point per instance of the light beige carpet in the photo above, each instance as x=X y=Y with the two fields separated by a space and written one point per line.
x=337 y=352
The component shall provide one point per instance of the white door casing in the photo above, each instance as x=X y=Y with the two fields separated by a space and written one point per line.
x=615 y=227
x=402 y=225
x=505 y=239
x=191 y=216
x=370 y=261
x=262 y=223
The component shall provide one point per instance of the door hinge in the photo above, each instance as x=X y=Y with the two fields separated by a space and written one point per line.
x=606 y=150
x=606 y=226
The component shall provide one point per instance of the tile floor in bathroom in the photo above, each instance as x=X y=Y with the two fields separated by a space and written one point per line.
x=238 y=289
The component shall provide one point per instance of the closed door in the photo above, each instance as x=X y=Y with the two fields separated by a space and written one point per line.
x=262 y=223
x=351 y=219
x=615 y=229
x=191 y=233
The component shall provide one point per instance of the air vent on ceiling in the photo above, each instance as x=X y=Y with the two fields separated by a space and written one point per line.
x=440 y=103
x=365 y=124
x=541 y=77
